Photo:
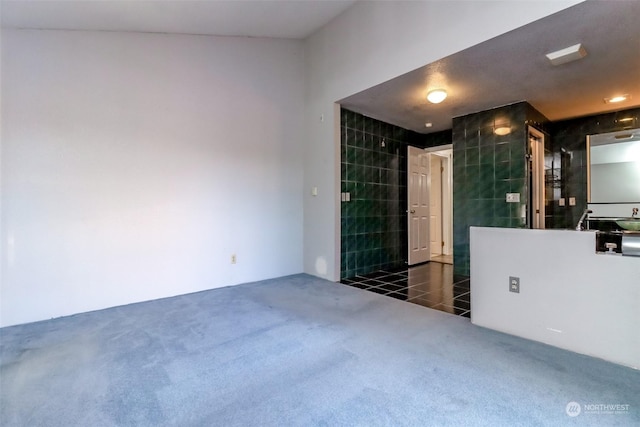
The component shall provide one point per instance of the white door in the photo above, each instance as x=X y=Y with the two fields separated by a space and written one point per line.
x=435 y=205
x=418 y=205
x=536 y=193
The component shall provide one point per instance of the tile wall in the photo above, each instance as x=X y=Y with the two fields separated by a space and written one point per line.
x=374 y=174
x=486 y=166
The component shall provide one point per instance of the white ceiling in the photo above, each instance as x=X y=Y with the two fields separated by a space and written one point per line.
x=513 y=67
x=263 y=18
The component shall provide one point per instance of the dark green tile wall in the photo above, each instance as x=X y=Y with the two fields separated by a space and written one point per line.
x=374 y=172
x=434 y=139
x=486 y=166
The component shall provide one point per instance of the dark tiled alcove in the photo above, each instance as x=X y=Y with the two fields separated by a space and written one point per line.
x=485 y=167
x=374 y=174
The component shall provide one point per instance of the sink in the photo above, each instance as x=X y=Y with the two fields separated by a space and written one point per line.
x=629 y=224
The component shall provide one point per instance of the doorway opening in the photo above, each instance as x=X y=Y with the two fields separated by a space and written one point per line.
x=430 y=204
x=441 y=196
x=536 y=172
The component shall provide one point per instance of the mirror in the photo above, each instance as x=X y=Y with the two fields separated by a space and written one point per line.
x=614 y=167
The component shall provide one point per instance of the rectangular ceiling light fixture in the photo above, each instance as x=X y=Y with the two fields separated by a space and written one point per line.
x=567 y=54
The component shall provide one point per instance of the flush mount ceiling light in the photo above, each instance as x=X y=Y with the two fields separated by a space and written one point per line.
x=614 y=99
x=436 y=96
x=502 y=130
x=568 y=54
x=428 y=124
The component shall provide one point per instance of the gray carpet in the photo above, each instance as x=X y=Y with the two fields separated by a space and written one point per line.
x=296 y=351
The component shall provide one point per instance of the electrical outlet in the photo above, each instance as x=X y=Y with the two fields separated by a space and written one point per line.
x=514 y=284
x=233 y=259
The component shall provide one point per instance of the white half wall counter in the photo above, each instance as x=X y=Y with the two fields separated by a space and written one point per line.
x=570 y=297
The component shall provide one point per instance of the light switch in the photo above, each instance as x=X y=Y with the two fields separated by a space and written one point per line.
x=347 y=197
x=513 y=197
x=314 y=191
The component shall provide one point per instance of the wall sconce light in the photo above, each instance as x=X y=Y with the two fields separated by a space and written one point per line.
x=502 y=130
x=436 y=96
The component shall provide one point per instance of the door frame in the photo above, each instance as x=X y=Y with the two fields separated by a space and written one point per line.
x=447 y=196
x=436 y=204
x=536 y=172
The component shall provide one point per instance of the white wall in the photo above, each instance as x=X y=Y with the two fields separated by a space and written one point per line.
x=134 y=165
x=369 y=44
x=570 y=297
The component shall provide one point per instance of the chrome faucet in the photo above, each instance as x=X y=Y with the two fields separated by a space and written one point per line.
x=634 y=212
x=586 y=212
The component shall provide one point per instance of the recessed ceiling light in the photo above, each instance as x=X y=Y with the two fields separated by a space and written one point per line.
x=614 y=99
x=428 y=124
x=568 y=54
x=436 y=96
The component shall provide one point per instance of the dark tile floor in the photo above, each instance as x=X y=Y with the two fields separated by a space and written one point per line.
x=431 y=285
